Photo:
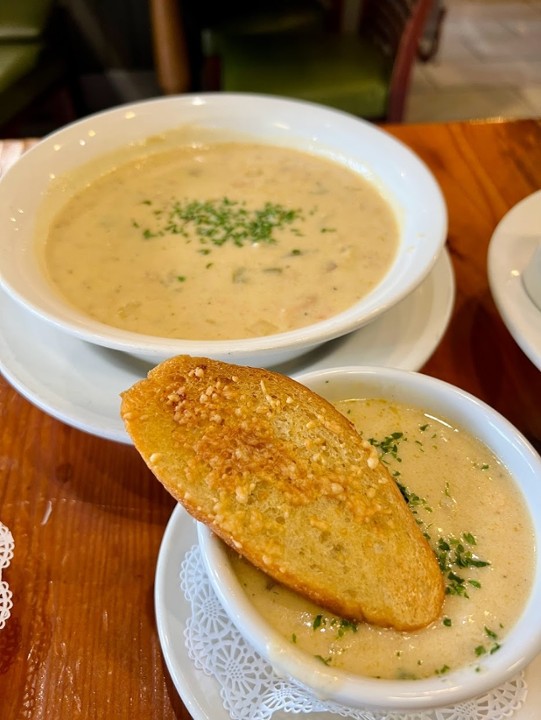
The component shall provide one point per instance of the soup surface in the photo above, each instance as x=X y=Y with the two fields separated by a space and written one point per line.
x=219 y=241
x=475 y=519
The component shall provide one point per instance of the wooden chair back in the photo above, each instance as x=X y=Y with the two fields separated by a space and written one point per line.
x=397 y=27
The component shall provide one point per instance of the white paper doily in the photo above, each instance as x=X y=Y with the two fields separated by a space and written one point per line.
x=6 y=553
x=249 y=688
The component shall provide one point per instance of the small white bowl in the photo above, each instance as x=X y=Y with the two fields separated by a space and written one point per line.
x=402 y=177
x=522 y=643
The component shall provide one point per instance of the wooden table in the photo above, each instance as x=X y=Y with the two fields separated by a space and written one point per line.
x=88 y=518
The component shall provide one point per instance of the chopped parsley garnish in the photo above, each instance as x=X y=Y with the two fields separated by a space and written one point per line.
x=388 y=446
x=456 y=554
x=325 y=661
x=344 y=625
x=444 y=669
x=218 y=221
x=413 y=500
x=454 y=551
x=494 y=647
x=340 y=624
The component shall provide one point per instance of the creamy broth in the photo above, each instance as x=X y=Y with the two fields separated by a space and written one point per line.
x=472 y=513
x=220 y=241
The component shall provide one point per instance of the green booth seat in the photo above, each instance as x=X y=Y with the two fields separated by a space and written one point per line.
x=27 y=72
x=340 y=71
x=364 y=70
x=33 y=64
x=24 y=19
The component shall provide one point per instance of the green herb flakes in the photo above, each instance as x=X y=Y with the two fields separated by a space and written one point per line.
x=495 y=646
x=444 y=669
x=345 y=625
x=220 y=221
x=341 y=625
x=413 y=500
x=456 y=554
x=325 y=661
x=388 y=446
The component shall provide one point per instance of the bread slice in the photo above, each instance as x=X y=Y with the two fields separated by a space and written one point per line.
x=284 y=478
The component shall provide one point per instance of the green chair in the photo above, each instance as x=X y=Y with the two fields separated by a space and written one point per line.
x=186 y=33
x=366 y=72
x=33 y=65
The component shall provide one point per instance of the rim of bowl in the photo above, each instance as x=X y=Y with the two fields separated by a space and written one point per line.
x=73 y=321
x=520 y=644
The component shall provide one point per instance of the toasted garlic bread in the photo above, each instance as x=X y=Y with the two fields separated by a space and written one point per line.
x=284 y=478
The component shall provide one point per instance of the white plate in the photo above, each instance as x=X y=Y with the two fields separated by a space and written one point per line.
x=199 y=692
x=80 y=383
x=511 y=247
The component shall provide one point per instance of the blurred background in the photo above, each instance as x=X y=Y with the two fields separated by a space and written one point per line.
x=386 y=60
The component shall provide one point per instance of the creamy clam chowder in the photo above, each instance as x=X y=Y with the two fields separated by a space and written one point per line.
x=474 y=518
x=219 y=240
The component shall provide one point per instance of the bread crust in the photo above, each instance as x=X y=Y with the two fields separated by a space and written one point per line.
x=286 y=480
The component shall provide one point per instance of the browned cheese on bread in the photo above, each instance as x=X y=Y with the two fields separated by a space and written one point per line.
x=284 y=478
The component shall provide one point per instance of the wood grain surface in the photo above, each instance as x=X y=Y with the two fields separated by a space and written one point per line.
x=88 y=518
